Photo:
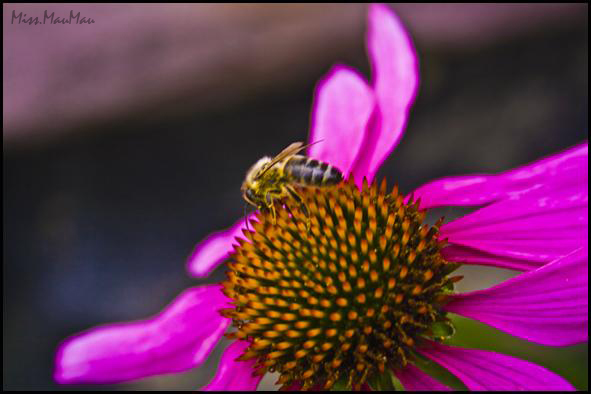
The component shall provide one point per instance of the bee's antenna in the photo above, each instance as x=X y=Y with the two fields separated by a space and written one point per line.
x=246 y=216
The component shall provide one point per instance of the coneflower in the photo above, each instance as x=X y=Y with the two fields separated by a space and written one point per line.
x=357 y=289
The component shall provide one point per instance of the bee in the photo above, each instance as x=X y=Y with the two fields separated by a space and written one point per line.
x=274 y=179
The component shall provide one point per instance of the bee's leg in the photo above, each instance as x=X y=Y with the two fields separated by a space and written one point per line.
x=273 y=214
x=271 y=206
x=299 y=200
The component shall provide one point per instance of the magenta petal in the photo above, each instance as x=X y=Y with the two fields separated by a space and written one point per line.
x=178 y=338
x=413 y=379
x=485 y=370
x=216 y=247
x=560 y=171
x=520 y=234
x=234 y=375
x=395 y=82
x=342 y=106
x=548 y=305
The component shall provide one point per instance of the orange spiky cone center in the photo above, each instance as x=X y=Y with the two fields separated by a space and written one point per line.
x=341 y=292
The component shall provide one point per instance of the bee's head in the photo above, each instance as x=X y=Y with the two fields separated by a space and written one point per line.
x=251 y=182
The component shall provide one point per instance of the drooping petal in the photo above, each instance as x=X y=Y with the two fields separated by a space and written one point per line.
x=485 y=370
x=394 y=80
x=234 y=375
x=548 y=305
x=413 y=379
x=216 y=247
x=563 y=170
x=178 y=338
x=520 y=234
x=343 y=104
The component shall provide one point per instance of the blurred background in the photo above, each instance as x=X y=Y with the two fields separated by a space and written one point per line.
x=125 y=143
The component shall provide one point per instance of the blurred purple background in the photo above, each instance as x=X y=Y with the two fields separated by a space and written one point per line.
x=125 y=141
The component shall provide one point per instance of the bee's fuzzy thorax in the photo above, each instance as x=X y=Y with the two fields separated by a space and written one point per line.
x=255 y=169
x=345 y=298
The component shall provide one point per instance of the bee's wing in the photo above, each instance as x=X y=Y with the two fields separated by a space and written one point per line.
x=287 y=152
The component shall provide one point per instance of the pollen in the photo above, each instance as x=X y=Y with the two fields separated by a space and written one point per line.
x=343 y=285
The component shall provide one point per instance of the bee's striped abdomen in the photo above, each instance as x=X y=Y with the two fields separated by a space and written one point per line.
x=312 y=172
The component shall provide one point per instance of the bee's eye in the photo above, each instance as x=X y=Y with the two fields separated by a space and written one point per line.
x=249 y=194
